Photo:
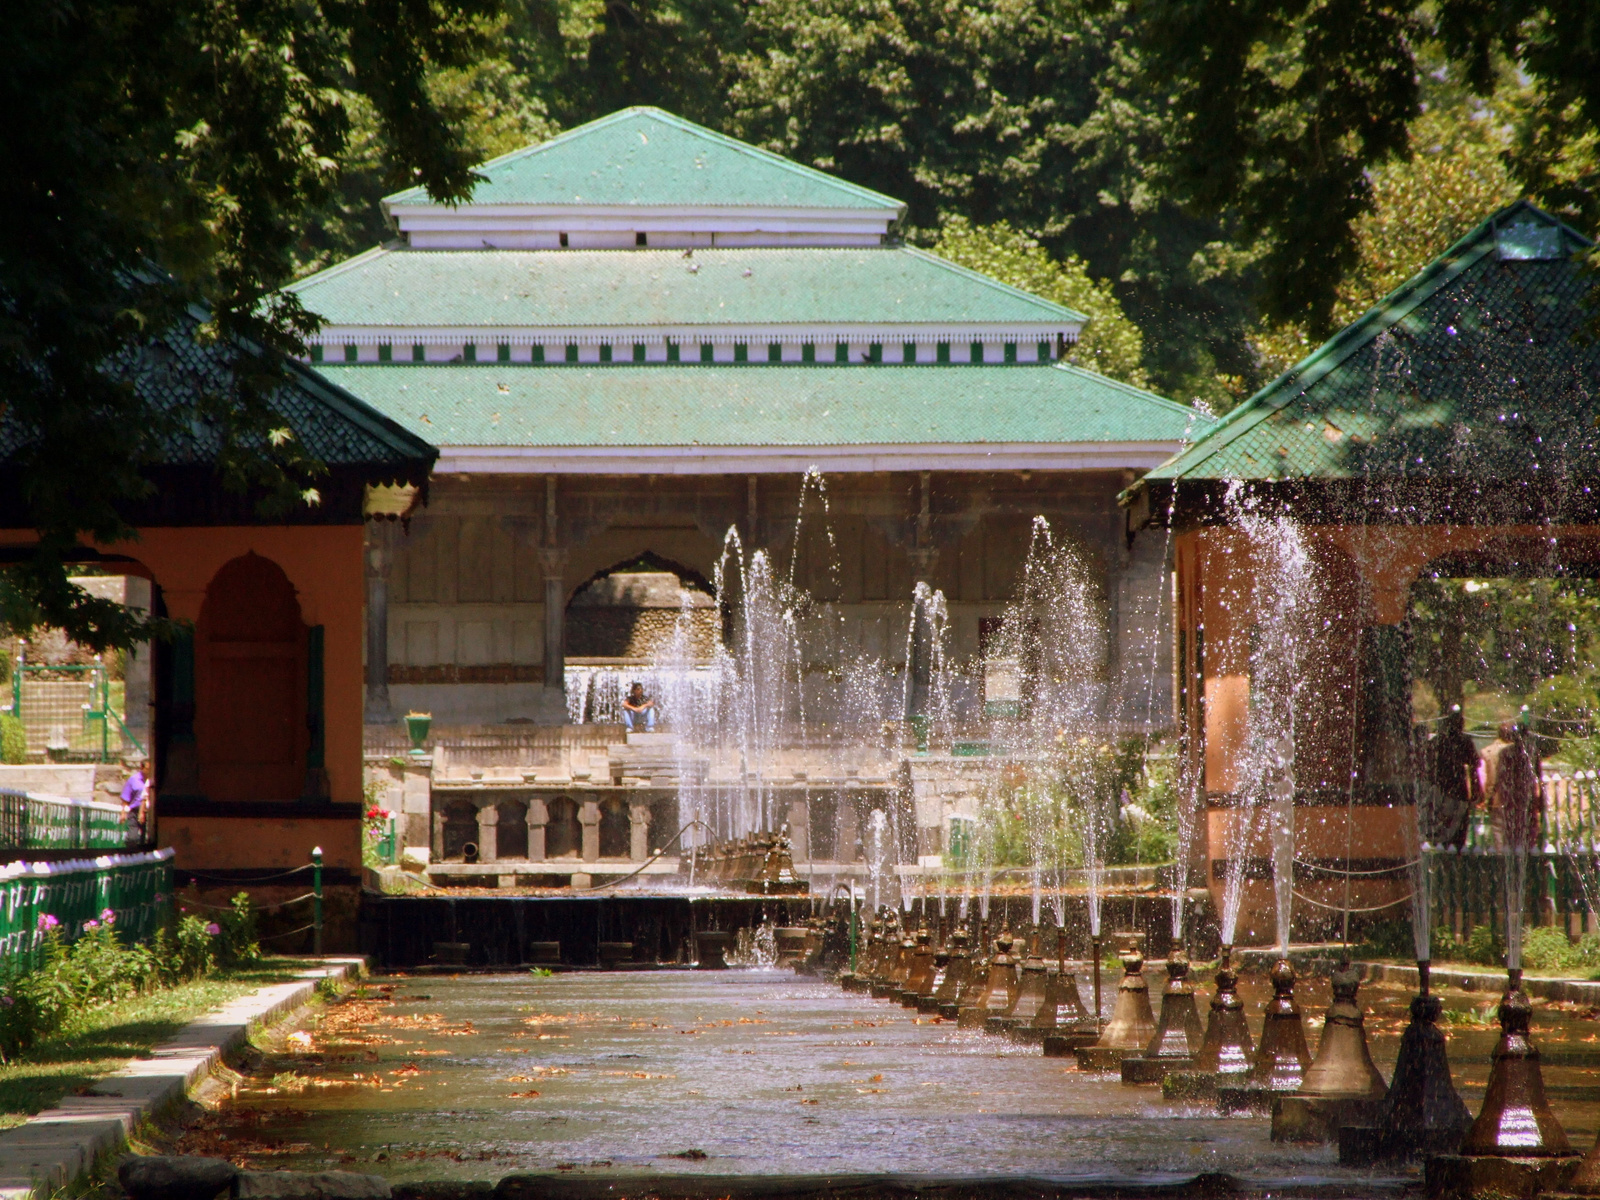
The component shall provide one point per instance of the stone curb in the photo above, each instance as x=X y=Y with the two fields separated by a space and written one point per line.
x=1582 y=991
x=55 y=1147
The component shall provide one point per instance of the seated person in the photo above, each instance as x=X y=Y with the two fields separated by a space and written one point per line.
x=638 y=709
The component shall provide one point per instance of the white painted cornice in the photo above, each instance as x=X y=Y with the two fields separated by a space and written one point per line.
x=789 y=460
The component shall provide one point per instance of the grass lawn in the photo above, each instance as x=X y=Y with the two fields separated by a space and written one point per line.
x=101 y=1039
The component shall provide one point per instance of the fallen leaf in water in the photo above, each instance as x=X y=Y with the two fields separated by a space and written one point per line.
x=695 y=1155
x=876 y=1079
x=522 y=1095
x=408 y=1069
x=811 y=1102
x=871 y=1091
x=299 y=1040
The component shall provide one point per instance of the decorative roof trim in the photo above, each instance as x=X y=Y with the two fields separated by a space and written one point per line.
x=488 y=335
x=789 y=460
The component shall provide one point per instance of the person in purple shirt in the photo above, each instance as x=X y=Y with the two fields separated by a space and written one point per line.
x=135 y=797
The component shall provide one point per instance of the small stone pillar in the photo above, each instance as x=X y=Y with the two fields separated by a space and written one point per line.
x=638 y=830
x=800 y=830
x=538 y=818
x=488 y=831
x=589 y=819
x=849 y=834
x=438 y=835
x=416 y=800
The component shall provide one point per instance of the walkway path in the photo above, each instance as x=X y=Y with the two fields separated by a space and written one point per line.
x=54 y=1148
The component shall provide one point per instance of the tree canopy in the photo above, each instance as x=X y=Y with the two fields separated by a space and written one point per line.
x=1218 y=184
x=166 y=153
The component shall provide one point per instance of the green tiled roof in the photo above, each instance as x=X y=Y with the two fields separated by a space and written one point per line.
x=647 y=157
x=645 y=406
x=173 y=371
x=644 y=288
x=1475 y=369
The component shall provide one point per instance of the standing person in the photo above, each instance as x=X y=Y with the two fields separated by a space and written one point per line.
x=1505 y=733
x=1516 y=800
x=135 y=801
x=636 y=706
x=1453 y=769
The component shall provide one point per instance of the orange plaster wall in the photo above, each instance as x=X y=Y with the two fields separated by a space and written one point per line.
x=226 y=843
x=324 y=562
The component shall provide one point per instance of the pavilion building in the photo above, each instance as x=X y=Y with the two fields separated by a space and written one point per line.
x=641 y=334
x=1450 y=432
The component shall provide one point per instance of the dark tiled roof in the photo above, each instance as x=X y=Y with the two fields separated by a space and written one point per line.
x=1476 y=373
x=174 y=371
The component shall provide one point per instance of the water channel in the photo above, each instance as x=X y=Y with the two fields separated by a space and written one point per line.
x=762 y=1072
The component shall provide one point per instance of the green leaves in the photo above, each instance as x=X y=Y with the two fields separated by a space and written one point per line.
x=1110 y=343
x=162 y=154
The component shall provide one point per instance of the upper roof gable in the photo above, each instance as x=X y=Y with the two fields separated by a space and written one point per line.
x=646 y=157
x=1476 y=366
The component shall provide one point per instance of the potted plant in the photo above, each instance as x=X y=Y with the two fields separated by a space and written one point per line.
x=417 y=726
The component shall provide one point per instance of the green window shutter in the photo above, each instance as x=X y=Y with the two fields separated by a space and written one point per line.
x=502 y=353
x=385 y=352
x=572 y=352
x=672 y=352
x=469 y=352
x=419 y=352
x=605 y=352
x=908 y=352
x=875 y=352
x=942 y=352
x=1044 y=351
x=316 y=354
x=808 y=352
x=538 y=354
x=707 y=353
x=976 y=352
x=183 y=684
x=841 y=352
x=349 y=352
x=1011 y=352
x=741 y=352
x=638 y=352
x=774 y=352
x=316 y=750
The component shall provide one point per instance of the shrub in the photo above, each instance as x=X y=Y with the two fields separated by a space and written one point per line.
x=13 y=739
x=196 y=950
x=237 y=944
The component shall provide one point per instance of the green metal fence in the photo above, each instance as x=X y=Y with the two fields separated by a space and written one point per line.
x=29 y=821
x=1468 y=887
x=67 y=713
x=136 y=887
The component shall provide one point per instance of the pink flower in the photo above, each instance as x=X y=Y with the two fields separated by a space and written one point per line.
x=88 y=925
x=47 y=922
x=160 y=897
x=213 y=929
x=8 y=1001
x=108 y=916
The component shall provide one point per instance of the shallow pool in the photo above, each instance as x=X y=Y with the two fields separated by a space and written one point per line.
x=755 y=1072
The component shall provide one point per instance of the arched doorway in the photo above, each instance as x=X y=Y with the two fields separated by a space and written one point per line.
x=615 y=830
x=563 y=836
x=251 y=667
